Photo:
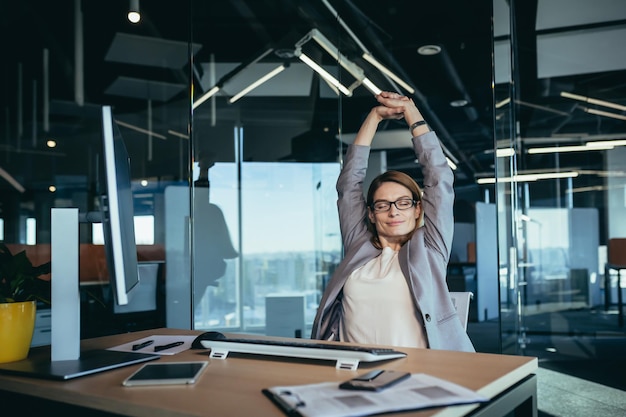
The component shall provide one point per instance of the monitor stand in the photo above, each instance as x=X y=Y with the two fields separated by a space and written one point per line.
x=65 y=316
x=66 y=360
x=39 y=365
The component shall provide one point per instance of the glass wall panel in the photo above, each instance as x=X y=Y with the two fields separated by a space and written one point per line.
x=560 y=191
x=217 y=235
x=61 y=63
x=262 y=110
x=289 y=240
x=240 y=190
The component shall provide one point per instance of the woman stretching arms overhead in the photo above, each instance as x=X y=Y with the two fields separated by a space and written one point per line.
x=390 y=288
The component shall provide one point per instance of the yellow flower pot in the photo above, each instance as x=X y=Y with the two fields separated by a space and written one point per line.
x=17 y=321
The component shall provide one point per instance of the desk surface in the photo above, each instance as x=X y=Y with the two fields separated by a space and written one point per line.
x=232 y=387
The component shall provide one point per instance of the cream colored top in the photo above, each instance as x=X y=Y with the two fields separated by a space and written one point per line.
x=377 y=306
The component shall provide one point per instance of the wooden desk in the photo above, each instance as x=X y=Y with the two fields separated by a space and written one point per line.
x=232 y=387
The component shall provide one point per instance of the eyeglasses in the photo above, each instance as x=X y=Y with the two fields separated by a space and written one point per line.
x=402 y=204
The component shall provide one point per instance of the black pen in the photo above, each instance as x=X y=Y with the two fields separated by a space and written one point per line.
x=168 y=346
x=142 y=345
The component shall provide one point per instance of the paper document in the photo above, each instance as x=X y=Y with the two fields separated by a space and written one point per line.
x=327 y=400
x=159 y=344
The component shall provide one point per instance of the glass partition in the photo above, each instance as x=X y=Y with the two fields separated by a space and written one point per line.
x=70 y=59
x=558 y=179
x=287 y=244
x=235 y=178
x=264 y=218
x=273 y=110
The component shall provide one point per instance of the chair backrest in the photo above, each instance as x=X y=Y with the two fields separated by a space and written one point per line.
x=461 y=301
x=617 y=251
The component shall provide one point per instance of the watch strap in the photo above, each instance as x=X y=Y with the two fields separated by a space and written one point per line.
x=416 y=124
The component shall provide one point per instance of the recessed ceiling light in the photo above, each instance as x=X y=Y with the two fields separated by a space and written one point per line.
x=429 y=50
x=459 y=103
x=134 y=15
x=285 y=53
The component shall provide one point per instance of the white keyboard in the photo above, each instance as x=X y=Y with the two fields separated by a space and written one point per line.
x=346 y=356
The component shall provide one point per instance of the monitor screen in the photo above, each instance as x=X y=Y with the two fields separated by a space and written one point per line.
x=116 y=204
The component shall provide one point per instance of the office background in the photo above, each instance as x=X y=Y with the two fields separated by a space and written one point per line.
x=240 y=195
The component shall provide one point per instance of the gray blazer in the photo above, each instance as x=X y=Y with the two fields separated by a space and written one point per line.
x=423 y=259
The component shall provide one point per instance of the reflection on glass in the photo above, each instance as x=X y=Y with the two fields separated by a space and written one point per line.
x=289 y=240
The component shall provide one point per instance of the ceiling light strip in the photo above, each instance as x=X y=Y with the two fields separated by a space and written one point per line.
x=257 y=83
x=604 y=113
x=206 y=96
x=9 y=178
x=141 y=130
x=606 y=143
x=544 y=108
x=366 y=54
x=504 y=152
x=333 y=51
x=344 y=25
x=587 y=189
x=323 y=73
x=529 y=177
x=574 y=148
x=228 y=76
x=178 y=134
x=369 y=58
x=593 y=101
x=331 y=86
x=371 y=86
x=503 y=103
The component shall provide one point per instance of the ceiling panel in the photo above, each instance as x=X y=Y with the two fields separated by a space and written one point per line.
x=149 y=51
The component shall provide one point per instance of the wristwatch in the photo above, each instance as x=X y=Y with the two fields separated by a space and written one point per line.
x=417 y=124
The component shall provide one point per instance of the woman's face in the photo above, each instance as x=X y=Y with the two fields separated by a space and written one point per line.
x=394 y=223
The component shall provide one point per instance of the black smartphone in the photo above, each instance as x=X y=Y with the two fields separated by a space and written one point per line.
x=376 y=380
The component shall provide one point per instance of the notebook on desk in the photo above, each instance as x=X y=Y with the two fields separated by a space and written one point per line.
x=418 y=392
x=90 y=362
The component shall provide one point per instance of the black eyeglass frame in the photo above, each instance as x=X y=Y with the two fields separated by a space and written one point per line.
x=394 y=203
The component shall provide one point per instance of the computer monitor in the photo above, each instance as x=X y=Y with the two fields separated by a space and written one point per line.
x=66 y=361
x=116 y=205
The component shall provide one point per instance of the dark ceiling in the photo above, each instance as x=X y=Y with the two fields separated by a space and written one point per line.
x=236 y=32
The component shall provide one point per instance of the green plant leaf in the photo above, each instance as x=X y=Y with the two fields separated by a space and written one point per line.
x=20 y=280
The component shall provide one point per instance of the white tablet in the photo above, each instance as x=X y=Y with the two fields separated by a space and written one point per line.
x=166 y=373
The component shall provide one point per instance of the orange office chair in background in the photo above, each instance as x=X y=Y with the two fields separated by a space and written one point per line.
x=616 y=262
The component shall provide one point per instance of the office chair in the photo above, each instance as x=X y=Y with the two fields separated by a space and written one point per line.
x=461 y=301
x=142 y=311
x=616 y=262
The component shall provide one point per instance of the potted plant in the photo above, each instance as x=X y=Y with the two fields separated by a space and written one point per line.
x=21 y=286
